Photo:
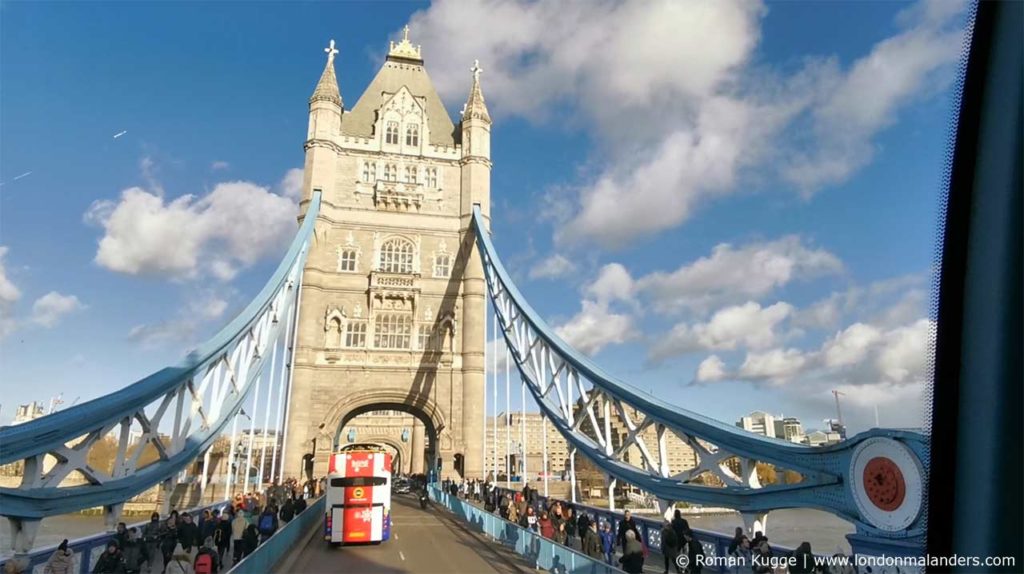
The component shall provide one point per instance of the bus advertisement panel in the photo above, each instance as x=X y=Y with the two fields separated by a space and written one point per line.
x=358 y=497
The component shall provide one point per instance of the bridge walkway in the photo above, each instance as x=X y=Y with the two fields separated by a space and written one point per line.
x=422 y=541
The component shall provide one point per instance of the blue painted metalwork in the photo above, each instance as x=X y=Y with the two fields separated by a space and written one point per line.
x=547 y=364
x=87 y=550
x=288 y=538
x=546 y=554
x=208 y=388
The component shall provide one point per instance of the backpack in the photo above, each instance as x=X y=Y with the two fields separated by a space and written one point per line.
x=267 y=524
x=204 y=563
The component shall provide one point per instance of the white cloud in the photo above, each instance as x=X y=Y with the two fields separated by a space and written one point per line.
x=775 y=365
x=850 y=345
x=201 y=307
x=731 y=274
x=748 y=325
x=553 y=267
x=232 y=227
x=219 y=165
x=596 y=327
x=903 y=355
x=9 y=293
x=291 y=183
x=613 y=283
x=710 y=370
x=48 y=309
x=676 y=99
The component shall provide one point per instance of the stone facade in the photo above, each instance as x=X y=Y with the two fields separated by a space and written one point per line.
x=392 y=302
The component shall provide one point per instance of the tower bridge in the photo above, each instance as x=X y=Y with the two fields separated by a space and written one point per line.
x=383 y=302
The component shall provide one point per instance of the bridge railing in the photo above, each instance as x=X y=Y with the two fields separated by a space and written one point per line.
x=88 y=549
x=714 y=543
x=546 y=554
x=287 y=539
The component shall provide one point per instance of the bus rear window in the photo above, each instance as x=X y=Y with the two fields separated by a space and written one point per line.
x=359 y=481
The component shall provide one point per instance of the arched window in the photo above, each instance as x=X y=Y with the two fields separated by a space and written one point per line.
x=355 y=334
x=369 y=171
x=392 y=331
x=396 y=256
x=431 y=177
x=391 y=134
x=347 y=259
x=412 y=135
x=390 y=172
x=410 y=174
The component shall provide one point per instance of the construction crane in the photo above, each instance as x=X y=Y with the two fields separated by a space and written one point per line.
x=839 y=413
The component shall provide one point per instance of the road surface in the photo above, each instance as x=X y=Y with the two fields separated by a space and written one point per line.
x=422 y=541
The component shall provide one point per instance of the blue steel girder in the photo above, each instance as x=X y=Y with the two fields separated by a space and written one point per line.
x=194 y=401
x=833 y=476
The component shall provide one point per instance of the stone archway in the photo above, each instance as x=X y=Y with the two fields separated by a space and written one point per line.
x=404 y=450
x=354 y=404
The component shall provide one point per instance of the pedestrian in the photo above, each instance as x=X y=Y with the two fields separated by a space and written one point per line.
x=590 y=541
x=222 y=536
x=188 y=533
x=735 y=542
x=209 y=524
x=743 y=556
x=206 y=561
x=632 y=553
x=679 y=525
x=763 y=551
x=180 y=562
x=60 y=561
x=547 y=529
x=570 y=526
x=694 y=551
x=121 y=534
x=803 y=559
x=607 y=542
x=152 y=532
x=238 y=526
x=560 y=535
x=287 y=511
x=669 y=546
x=268 y=523
x=627 y=525
x=169 y=538
x=250 y=540
x=582 y=525
x=529 y=519
x=111 y=561
x=300 y=505
x=513 y=513
x=133 y=552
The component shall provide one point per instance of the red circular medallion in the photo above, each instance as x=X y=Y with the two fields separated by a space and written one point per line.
x=884 y=483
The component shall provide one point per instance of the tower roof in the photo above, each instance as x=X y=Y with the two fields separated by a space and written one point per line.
x=403 y=67
x=475 y=105
x=327 y=87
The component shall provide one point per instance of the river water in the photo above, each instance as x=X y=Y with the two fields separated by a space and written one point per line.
x=826 y=533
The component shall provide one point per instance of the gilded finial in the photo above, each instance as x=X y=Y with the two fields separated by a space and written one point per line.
x=405 y=49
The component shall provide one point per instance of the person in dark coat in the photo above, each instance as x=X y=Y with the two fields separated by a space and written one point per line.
x=626 y=525
x=632 y=553
x=590 y=542
x=669 y=546
x=300 y=505
x=152 y=532
x=188 y=533
x=250 y=540
x=679 y=525
x=111 y=561
x=694 y=549
x=582 y=524
x=134 y=552
x=222 y=536
x=803 y=560
x=287 y=511
x=734 y=545
x=169 y=538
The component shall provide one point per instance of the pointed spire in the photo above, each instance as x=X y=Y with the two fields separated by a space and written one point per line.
x=475 y=106
x=327 y=87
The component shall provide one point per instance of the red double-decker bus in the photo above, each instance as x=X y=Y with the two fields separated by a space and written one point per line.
x=358 y=497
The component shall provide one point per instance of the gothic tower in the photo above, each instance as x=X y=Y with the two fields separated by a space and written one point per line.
x=393 y=295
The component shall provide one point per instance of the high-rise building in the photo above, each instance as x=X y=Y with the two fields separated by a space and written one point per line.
x=27 y=413
x=758 y=422
x=790 y=429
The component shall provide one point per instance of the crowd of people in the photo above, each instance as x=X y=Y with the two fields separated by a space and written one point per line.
x=621 y=544
x=201 y=544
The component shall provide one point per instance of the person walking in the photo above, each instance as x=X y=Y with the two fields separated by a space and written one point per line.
x=287 y=511
x=627 y=525
x=268 y=523
x=669 y=546
x=180 y=562
x=679 y=525
x=222 y=536
x=111 y=561
x=607 y=542
x=632 y=553
x=590 y=542
x=238 y=527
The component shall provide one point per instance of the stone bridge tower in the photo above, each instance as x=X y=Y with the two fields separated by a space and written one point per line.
x=392 y=308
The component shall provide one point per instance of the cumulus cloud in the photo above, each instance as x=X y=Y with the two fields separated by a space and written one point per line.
x=676 y=99
x=219 y=165
x=748 y=325
x=731 y=274
x=201 y=307
x=553 y=267
x=9 y=293
x=291 y=183
x=50 y=308
x=595 y=327
x=613 y=283
x=232 y=227
x=710 y=370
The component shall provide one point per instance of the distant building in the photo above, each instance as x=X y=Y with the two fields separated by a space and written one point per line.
x=790 y=429
x=819 y=438
x=758 y=422
x=29 y=412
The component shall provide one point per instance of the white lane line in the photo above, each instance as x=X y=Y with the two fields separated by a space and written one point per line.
x=402 y=556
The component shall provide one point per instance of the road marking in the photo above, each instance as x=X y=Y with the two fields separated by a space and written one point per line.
x=402 y=556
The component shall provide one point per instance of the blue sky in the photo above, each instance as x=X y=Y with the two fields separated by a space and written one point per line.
x=732 y=205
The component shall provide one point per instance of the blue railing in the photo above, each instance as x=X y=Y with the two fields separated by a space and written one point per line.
x=714 y=543
x=544 y=553
x=287 y=539
x=87 y=550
